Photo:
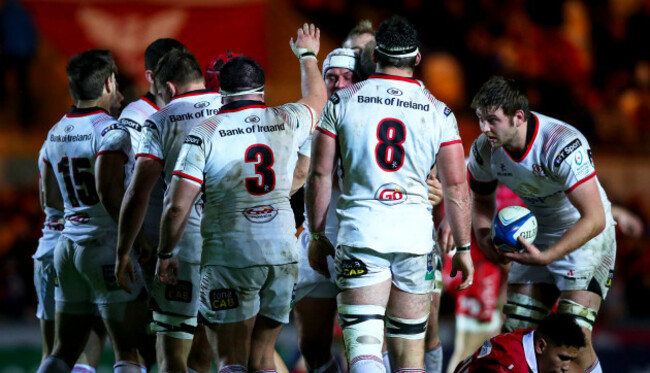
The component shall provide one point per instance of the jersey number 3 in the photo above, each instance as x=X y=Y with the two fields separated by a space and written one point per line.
x=389 y=152
x=79 y=183
x=264 y=182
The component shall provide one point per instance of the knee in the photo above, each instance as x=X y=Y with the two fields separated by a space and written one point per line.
x=523 y=312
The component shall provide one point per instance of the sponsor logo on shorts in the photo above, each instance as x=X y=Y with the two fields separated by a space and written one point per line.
x=564 y=153
x=260 y=214
x=430 y=269
x=56 y=280
x=252 y=119
x=353 y=268
x=201 y=104
x=293 y=294
x=181 y=292
x=108 y=271
x=394 y=91
x=223 y=299
x=391 y=194
x=610 y=276
x=193 y=140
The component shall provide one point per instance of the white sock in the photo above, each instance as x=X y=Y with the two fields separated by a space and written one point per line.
x=123 y=366
x=386 y=361
x=53 y=364
x=233 y=368
x=433 y=360
x=83 y=368
x=367 y=364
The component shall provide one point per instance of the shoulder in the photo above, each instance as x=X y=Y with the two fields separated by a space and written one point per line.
x=347 y=94
x=104 y=124
x=559 y=139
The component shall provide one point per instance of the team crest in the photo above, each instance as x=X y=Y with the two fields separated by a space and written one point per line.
x=538 y=171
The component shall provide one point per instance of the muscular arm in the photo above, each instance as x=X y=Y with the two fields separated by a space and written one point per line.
x=319 y=183
x=585 y=198
x=300 y=173
x=314 y=92
x=51 y=194
x=136 y=201
x=452 y=173
x=177 y=207
x=109 y=178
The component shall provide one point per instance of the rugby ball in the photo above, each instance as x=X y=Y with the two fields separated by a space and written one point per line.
x=510 y=223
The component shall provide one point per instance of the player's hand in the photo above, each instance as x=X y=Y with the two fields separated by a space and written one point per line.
x=529 y=255
x=463 y=262
x=317 y=254
x=445 y=238
x=167 y=270
x=308 y=40
x=435 y=190
x=124 y=272
x=491 y=252
x=629 y=223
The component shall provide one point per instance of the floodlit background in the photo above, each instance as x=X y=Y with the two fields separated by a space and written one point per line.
x=584 y=61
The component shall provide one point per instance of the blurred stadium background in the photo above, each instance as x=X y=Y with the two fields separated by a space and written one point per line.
x=584 y=61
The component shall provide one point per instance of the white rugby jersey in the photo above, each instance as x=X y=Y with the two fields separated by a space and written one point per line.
x=389 y=130
x=71 y=148
x=164 y=133
x=244 y=158
x=332 y=222
x=557 y=160
x=133 y=117
x=53 y=224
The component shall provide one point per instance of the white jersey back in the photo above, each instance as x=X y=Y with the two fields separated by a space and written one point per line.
x=245 y=158
x=133 y=117
x=53 y=224
x=557 y=160
x=165 y=131
x=389 y=130
x=71 y=148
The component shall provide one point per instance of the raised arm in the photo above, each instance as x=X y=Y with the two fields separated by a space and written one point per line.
x=306 y=46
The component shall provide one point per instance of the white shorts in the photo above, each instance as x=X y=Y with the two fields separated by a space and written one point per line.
x=231 y=295
x=311 y=283
x=86 y=273
x=44 y=282
x=180 y=299
x=358 y=267
x=591 y=267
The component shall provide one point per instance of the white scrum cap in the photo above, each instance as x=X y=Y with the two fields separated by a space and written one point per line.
x=341 y=57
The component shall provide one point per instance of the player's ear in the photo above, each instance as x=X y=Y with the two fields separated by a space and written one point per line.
x=540 y=345
x=418 y=58
x=148 y=74
x=519 y=117
x=172 y=88
x=108 y=83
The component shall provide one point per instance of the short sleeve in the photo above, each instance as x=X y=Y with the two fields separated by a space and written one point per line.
x=305 y=147
x=151 y=141
x=481 y=180
x=114 y=138
x=572 y=163
x=192 y=156
x=328 y=118
x=449 y=131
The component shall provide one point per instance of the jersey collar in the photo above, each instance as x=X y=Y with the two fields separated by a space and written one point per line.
x=150 y=99
x=241 y=105
x=531 y=135
x=394 y=77
x=76 y=112
x=529 y=350
x=197 y=92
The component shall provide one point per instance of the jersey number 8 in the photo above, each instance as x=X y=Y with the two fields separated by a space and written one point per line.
x=389 y=152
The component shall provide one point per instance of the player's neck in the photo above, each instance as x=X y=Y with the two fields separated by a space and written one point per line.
x=83 y=104
x=396 y=71
x=195 y=86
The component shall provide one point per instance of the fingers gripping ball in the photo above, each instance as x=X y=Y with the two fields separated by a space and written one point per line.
x=510 y=223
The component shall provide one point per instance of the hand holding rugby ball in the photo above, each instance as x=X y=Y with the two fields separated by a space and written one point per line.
x=510 y=223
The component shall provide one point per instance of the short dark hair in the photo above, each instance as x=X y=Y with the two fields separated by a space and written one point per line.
x=241 y=74
x=87 y=73
x=396 y=34
x=366 y=66
x=499 y=92
x=157 y=49
x=561 y=329
x=178 y=66
x=363 y=27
